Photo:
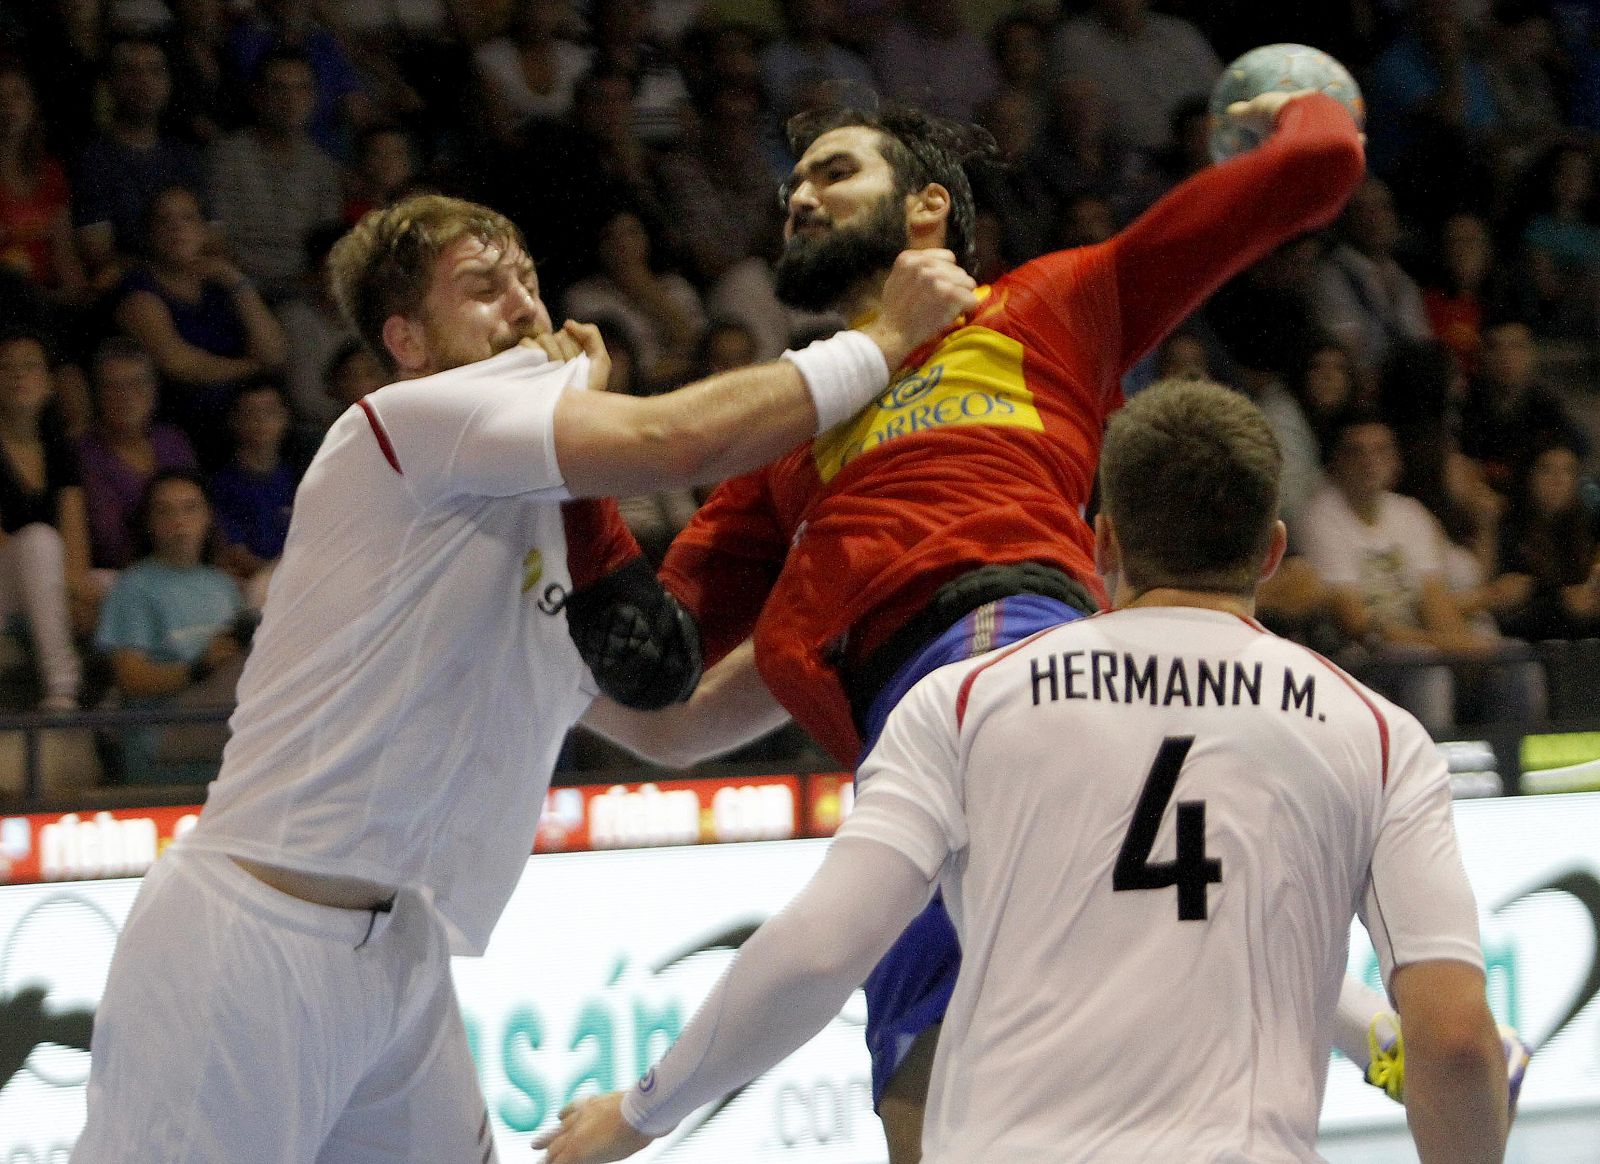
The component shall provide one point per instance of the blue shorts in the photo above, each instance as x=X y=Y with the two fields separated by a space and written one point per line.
x=908 y=991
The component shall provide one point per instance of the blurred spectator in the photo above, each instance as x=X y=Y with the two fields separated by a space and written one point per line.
x=928 y=57
x=661 y=314
x=623 y=44
x=1186 y=152
x=1525 y=72
x=726 y=345
x=386 y=171
x=1085 y=219
x=270 y=184
x=122 y=170
x=1019 y=42
x=337 y=99
x=203 y=104
x=1507 y=412
x=1428 y=77
x=1300 y=402
x=314 y=330
x=1183 y=356
x=351 y=373
x=570 y=177
x=1465 y=287
x=64 y=45
x=1420 y=397
x=1561 y=241
x=171 y=621
x=414 y=58
x=1431 y=111
x=44 y=540
x=35 y=209
x=717 y=188
x=1578 y=29
x=200 y=319
x=531 y=70
x=1010 y=187
x=1079 y=149
x=1362 y=295
x=253 y=494
x=1379 y=554
x=1144 y=64
x=715 y=53
x=810 y=53
x=1550 y=552
x=124 y=449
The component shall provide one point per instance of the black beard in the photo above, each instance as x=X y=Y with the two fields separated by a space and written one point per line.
x=815 y=273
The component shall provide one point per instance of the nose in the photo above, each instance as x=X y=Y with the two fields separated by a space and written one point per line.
x=803 y=199
x=522 y=305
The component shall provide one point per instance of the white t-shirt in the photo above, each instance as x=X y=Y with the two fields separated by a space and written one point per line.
x=1385 y=562
x=1092 y=1022
x=407 y=692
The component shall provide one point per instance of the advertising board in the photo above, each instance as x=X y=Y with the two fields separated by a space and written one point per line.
x=602 y=956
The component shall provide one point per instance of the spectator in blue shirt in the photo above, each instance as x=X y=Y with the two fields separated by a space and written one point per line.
x=171 y=621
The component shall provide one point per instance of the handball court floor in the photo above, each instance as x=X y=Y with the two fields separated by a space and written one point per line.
x=1571 y=1137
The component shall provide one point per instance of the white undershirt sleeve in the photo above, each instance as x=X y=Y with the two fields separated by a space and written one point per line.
x=791 y=977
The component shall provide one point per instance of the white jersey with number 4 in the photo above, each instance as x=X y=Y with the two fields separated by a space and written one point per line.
x=412 y=679
x=1152 y=829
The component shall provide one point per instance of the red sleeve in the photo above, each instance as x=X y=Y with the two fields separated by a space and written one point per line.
x=1228 y=216
x=598 y=540
x=1099 y=309
x=724 y=563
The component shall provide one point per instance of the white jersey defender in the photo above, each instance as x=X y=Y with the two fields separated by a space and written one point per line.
x=1152 y=828
x=398 y=720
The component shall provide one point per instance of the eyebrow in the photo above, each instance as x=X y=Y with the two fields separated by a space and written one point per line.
x=804 y=169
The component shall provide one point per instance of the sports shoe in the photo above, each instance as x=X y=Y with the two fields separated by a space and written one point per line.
x=1387 y=1071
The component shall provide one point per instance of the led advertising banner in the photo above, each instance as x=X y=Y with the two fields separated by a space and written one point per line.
x=602 y=957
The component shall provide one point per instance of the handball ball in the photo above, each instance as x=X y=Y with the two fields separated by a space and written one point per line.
x=1275 y=68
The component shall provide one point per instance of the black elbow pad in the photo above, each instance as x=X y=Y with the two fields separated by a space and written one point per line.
x=641 y=646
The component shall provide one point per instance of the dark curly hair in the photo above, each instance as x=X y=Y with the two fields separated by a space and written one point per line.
x=920 y=148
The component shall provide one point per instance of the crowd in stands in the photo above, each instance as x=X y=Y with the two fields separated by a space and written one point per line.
x=173 y=174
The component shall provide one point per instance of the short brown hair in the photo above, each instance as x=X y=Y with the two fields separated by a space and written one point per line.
x=1189 y=477
x=384 y=265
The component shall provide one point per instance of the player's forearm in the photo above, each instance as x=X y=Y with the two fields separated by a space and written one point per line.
x=1456 y=1097
x=716 y=428
x=731 y=707
x=790 y=978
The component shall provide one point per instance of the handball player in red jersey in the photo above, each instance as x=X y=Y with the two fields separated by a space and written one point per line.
x=946 y=518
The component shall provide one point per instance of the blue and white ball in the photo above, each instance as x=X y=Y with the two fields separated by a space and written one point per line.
x=1275 y=68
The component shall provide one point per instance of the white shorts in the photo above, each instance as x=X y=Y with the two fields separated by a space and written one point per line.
x=241 y=1024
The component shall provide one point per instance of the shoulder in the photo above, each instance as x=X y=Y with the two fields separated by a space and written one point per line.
x=1409 y=513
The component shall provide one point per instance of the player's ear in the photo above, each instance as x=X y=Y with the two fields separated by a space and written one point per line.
x=1275 y=551
x=406 y=343
x=1107 y=553
x=927 y=213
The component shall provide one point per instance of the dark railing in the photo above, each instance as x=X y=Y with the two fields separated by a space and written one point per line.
x=33 y=725
x=1571 y=672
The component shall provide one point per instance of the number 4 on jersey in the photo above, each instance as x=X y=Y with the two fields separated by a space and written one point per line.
x=1192 y=870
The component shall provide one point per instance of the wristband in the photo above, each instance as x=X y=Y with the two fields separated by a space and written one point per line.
x=842 y=374
x=633 y=1110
